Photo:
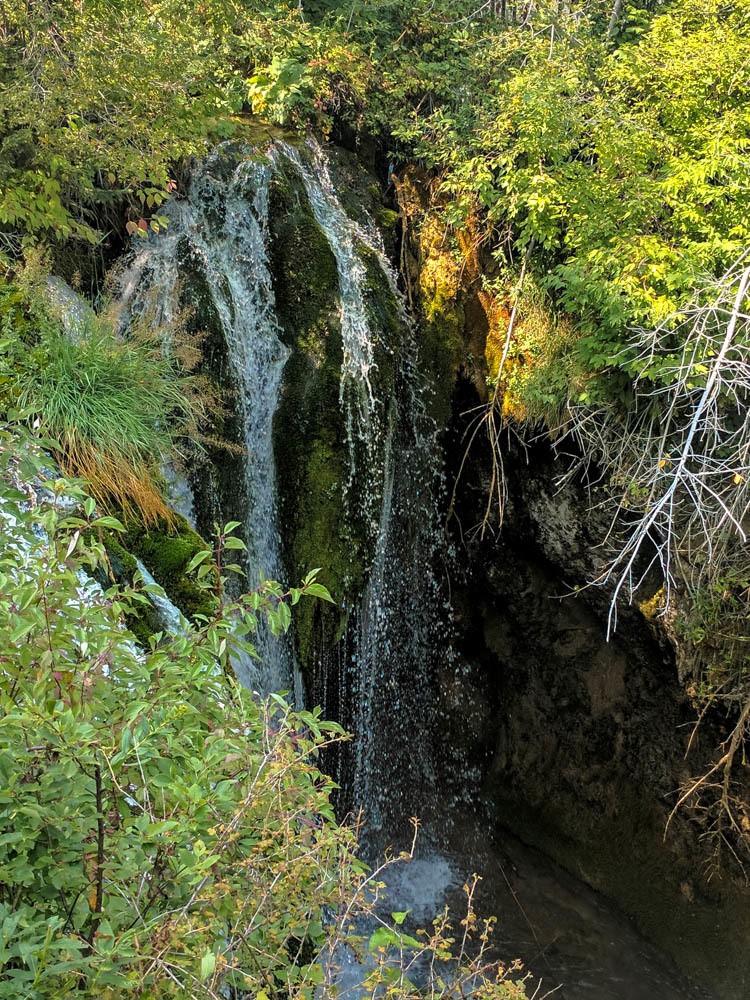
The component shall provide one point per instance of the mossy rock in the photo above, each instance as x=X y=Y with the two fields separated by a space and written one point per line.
x=387 y=219
x=386 y=321
x=143 y=619
x=305 y=278
x=123 y=564
x=166 y=553
x=309 y=442
x=315 y=490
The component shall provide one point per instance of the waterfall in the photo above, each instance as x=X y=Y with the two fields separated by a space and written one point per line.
x=343 y=235
x=214 y=259
x=365 y=419
x=402 y=639
x=220 y=229
x=389 y=657
x=398 y=632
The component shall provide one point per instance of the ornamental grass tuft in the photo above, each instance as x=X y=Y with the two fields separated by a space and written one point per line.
x=114 y=408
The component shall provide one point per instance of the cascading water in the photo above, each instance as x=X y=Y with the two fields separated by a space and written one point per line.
x=362 y=410
x=399 y=643
x=221 y=230
x=389 y=653
x=217 y=241
x=168 y=617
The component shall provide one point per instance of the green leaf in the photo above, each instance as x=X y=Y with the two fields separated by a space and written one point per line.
x=318 y=590
x=208 y=965
x=383 y=937
x=108 y=522
x=235 y=543
x=197 y=559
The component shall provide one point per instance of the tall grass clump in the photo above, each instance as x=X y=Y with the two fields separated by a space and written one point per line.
x=114 y=408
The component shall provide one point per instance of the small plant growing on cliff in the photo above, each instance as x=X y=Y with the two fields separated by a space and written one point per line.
x=679 y=468
x=107 y=404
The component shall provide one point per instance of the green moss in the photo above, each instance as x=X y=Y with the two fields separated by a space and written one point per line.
x=387 y=218
x=322 y=539
x=142 y=621
x=122 y=563
x=309 y=437
x=310 y=441
x=143 y=625
x=442 y=354
x=304 y=269
x=360 y=194
x=122 y=566
x=384 y=309
x=166 y=554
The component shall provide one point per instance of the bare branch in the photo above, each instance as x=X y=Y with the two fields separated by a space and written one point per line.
x=680 y=460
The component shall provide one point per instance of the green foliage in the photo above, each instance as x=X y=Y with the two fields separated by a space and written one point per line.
x=99 y=100
x=111 y=394
x=102 y=102
x=162 y=832
x=23 y=324
x=149 y=806
x=626 y=166
x=115 y=408
x=619 y=151
x=167 y=548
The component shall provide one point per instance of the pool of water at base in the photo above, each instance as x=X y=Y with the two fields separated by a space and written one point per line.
x=574 y=943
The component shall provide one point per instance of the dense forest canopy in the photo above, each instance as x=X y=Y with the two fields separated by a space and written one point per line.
x=614 y=138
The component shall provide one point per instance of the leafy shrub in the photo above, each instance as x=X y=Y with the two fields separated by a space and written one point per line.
x=162 y=833
x=149 y=805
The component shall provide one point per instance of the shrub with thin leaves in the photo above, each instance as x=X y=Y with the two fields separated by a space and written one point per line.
x=112 y=407
x=160 y=829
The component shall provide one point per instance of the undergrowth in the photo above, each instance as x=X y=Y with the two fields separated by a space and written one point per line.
x=163 y=831
x=117 y=408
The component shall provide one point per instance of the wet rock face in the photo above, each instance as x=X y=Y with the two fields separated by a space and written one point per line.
x=309 y=441
x=583 y=747
x=341 y=321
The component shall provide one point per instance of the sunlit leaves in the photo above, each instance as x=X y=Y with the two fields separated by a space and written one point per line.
x=626 y=164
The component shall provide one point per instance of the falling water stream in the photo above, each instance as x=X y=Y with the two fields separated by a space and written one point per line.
x=222 y=228
x=392 y=483
x=398 y=640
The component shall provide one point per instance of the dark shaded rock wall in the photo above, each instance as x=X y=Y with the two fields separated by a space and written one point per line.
x=582 y=739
